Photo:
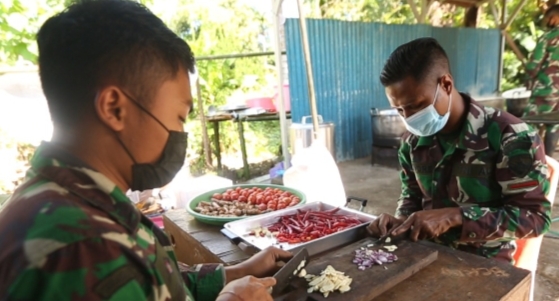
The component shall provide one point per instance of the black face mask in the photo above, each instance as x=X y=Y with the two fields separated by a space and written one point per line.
x=156 y=175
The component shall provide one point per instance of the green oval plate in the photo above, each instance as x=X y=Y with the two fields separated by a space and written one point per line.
x=215 y=220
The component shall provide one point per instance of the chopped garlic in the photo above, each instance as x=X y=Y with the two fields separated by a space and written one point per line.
x=302 y=273
x=391 y=248
x=387 y=240
x=301 y=265
x=329 y=281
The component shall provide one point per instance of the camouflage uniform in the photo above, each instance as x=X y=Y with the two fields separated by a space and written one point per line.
x=494 y=169
x=68 y=233
x=543 y=70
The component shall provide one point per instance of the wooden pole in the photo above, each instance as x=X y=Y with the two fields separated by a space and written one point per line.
x=205 y=138
x=414 y=10
x=284 y=130
x=514 y=14
x=308 y=67
x=514 y=48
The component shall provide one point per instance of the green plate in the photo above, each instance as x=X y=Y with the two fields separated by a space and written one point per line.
x=215 y=220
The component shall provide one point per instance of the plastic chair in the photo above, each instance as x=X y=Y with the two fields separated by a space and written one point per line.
x=528 y=250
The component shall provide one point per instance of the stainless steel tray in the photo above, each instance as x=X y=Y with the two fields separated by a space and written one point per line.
x=241 y=228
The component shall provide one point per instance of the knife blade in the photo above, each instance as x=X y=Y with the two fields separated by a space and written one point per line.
x=290 y=270
x=393 y=239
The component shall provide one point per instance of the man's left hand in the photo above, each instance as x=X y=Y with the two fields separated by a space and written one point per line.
x=428 y=224
x=261 y=264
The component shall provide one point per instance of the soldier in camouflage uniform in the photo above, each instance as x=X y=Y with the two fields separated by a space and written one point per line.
x=473 y=178
x=116 y=81
x=543 y=70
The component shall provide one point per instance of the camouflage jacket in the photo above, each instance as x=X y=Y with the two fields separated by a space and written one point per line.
x=494 y=170
x=543 y=66
x=68 y=233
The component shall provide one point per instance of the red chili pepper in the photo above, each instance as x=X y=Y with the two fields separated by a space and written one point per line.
x=339 y=225
x=294 y=222
x=296 y=228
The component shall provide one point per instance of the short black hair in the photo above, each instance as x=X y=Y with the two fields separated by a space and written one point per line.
x=420 y=59
x=93 y=43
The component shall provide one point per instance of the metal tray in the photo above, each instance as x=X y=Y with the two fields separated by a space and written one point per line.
x=241 y=228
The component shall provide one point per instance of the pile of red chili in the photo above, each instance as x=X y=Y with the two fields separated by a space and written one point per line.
x=308 y=225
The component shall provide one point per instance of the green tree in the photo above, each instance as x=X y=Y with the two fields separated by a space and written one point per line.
x=229 y=27
x=19 y=22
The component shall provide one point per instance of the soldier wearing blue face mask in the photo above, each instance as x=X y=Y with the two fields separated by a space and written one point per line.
x=473 y=178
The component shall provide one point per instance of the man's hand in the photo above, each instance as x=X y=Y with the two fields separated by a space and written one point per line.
x=430 y=223
x=384 y=224
x=247 y=288
x=262 y=264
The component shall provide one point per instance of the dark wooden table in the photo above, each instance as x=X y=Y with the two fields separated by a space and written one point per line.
x=239 y=119
x=455 y=275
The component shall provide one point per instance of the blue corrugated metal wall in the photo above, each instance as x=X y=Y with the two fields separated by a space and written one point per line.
x=347 y=59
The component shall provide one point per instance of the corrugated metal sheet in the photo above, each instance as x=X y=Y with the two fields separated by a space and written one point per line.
x=347 y=59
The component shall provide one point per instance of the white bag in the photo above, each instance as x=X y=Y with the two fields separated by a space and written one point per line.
x=315 y=173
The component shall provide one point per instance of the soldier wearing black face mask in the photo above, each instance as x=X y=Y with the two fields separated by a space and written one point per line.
x=117 y=85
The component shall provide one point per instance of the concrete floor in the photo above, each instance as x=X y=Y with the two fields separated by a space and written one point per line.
x=381 y=186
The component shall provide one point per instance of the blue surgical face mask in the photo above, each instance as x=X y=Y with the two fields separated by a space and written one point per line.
x=427 y=122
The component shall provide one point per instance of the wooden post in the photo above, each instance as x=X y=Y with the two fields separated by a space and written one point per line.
x=514 y=48
x=471 y=16
x=414 y=10
x=241 y=131
x=217 y=144
x=205 y=138
x=513 y=15
x=500 y=22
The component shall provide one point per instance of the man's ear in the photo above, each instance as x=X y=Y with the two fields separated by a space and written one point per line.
x=447 y=83
x=111 y=107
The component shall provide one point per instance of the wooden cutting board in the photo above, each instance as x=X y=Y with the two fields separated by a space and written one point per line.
x=369 y=283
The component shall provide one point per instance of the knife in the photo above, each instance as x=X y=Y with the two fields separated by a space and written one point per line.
x=290 y=270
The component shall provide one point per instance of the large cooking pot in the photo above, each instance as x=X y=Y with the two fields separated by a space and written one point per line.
x=494 y=101
x=301 y=135
x=388 y=127
x=517 y=100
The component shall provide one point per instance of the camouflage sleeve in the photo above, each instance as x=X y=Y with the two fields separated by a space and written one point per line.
x=204 y=281
x=90 y=270
x=521 y=171
x=411 y=196
x=536 y=59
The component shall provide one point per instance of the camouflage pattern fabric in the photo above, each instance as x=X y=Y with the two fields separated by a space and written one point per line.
x=494 y=170
x=543 y=70
x=68 y=233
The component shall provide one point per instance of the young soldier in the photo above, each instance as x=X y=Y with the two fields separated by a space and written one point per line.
x=473 y=178
x=117 y=85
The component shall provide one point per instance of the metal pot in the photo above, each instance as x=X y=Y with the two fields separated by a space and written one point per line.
x=388 y=127
x=517 y=100
x=301 y=134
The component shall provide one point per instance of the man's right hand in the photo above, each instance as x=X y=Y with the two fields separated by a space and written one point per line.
x=384 y=224
x=248 y=288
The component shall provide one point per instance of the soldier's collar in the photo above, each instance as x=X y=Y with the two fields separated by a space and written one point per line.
x=475 y=128
x=66 y=170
